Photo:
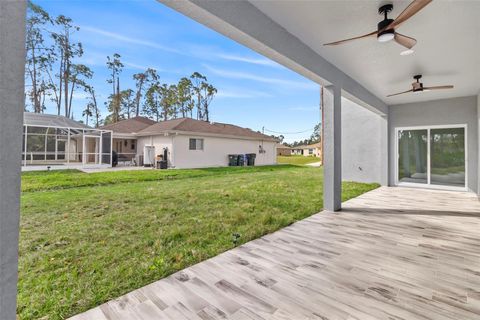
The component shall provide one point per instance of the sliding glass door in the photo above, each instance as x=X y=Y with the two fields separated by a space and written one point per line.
x=412 y=160
x=447 y=157
x=432 y=156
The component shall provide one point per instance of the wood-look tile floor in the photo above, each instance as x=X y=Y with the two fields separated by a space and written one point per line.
x=392 y=253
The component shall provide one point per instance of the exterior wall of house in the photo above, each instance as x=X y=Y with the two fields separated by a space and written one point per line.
x=216 y=150
x=316 y=152
x=284 y=152
x=127 y=148
x=464 y=110
x=160 y=142
x=362 y=132
x=478 y=145
x=297 y=152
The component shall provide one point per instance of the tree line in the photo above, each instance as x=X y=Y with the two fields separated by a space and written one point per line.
x=54 y=75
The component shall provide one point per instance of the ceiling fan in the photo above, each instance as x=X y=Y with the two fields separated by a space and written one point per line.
x=418 y=86
x=386 y=28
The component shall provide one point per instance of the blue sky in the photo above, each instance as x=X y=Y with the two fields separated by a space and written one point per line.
x=253 y=91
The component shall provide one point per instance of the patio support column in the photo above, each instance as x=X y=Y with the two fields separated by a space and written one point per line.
x=12 y=103
x=332 y=175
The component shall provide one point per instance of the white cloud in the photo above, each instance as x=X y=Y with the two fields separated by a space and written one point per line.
x=91 y=58
x=99 y=59
x=200 y=51
x=254 y=77
x=122 y=38
x=258 y=61
x=132 y=65
x=241 y=93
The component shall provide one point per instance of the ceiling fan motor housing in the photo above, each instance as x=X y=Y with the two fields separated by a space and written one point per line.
x=417 y=86
x=382 y=24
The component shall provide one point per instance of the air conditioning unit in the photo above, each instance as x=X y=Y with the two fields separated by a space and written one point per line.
x=149 y=156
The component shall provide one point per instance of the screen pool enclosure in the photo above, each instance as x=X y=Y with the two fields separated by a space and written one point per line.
x=57 y=140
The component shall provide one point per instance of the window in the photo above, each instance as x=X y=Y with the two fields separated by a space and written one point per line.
x=196 y=144
x=133 y=145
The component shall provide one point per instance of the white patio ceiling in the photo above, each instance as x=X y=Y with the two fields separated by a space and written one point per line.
x=447 y=52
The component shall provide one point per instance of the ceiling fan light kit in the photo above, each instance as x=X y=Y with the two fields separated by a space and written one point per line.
x=385 y=36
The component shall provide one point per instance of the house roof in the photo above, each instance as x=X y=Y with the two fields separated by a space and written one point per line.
x=132 y=125
x=309 y=146
x=50 y=120
x=283 y=146
x=197 y=126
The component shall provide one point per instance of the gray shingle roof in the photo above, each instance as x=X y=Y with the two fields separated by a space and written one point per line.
x=197 y=126
x=309 y=146
x=132 y=125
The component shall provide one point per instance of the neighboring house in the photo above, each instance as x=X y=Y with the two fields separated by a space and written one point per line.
x=283 y=150
x=125 y=135
x=51 y=140
x=309 y=150
x=189 y=143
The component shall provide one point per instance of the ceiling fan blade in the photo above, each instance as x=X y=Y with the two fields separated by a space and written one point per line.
x=346 y=40
x=406 y=14
x=395 y=94
x=438 y=87
x=406 y=41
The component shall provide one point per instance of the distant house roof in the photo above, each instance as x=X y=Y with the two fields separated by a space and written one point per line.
x=50 y=120
x=132 y=125
x=283 y=146
x=198 y=126
x=309 y=146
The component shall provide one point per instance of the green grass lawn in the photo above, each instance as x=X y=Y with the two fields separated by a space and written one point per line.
x=296 y=160
x=88 y=238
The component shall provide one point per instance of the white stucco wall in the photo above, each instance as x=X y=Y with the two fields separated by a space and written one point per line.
x=159 y=142
x=462 y=110
x=362 y=132
x=216 y=150
x=478 y=144
x=120 y=147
